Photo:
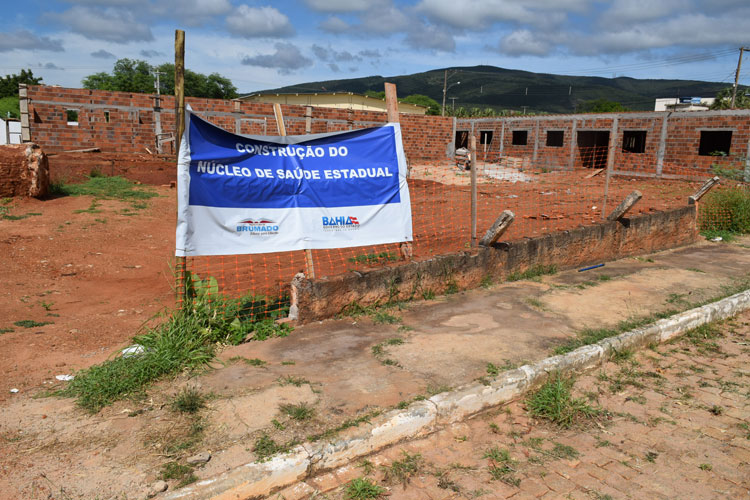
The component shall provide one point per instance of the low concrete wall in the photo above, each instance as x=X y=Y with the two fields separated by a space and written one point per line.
x=324 y=298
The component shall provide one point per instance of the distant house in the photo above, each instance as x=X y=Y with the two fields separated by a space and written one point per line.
x=10 y=131
x=684 y=103
x=338 y=100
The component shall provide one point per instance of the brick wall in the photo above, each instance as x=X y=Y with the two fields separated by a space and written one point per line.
x=121 y=122
x=678 y=155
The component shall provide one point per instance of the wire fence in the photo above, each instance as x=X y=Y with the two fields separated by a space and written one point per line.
x=544 y=198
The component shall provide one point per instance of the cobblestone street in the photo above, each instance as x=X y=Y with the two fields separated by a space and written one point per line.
x=674 y=423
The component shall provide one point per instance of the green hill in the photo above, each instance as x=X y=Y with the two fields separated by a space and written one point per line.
x=499 y=88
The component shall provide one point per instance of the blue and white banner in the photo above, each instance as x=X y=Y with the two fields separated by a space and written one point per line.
x=240 y=194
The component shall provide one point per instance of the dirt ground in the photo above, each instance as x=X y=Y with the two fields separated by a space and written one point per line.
x=676 y=426
x=81 y=279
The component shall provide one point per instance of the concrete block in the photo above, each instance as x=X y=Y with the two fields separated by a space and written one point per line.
x=416 y=420
x=250 y=480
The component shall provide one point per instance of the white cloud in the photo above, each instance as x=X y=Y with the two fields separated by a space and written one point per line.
x=430 y=37
x=627 y=11
x=286 y=59
x=335 y=25
x=26 y=40
x=342 y=5
x=523 y=42
x=251 y=22
x=110 y=24
x=103 y=54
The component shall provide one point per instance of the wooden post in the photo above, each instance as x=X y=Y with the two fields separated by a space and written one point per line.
x=625 y=206
x=309 y=265
x=391 y=106
x=473 y=166
x=705 y=188
x=498 y=228
x=179 y=113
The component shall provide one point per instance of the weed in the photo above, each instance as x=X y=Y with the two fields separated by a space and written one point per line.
x=174 y=470
x=494 y=428
x=428 y=294
x=300 y=411
x=445 y=483
x=346 y=424
x=29 y=323
x=384 y=317
x=600 y=443
x=288 y=363
x=651 y=456
x=366 y=466
x=492 y=369
x=622 y=355
x=293 y=380
x=604 y=277
x=47 y=306
x=560 y=450
x=189 y=400
x=401 y=471
x=535 y=303
x=6 y=330
x=355 y=310
x=706 y=467
x=533 y=273
x=374 y=258
x=265 y=446
x=726 y=210
x=93 y=209
x=251 y=362
x=500 y=468
x=744 y=426
x=553 y=402
x=106 y=187
x=187 y=339
x=487 y=281
x=695 y=270
x=451 y=287
x=363 y=488
x=716 y=410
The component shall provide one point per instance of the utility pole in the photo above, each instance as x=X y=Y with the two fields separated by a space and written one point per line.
x=446 y=87
x=737 y=77
x=453 y=102
x=157 y=83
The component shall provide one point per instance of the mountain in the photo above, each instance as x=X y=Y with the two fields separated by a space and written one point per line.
x=499 y=88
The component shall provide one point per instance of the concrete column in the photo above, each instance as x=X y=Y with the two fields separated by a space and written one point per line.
x=502 y=141
x=23 y=103
x=662 y=145
x=573 y=139
x=536 y=141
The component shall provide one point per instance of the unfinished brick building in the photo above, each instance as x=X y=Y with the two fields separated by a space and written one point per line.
x=662 y=144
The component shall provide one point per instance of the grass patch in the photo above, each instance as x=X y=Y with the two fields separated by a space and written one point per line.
x=251 y=362
x=189 y=400
x=501 y=466
x=553 y=402
x=293 y=380
x=362 y=488
x=300 y=411
x=533 y=273
x=30 y=323
x=265 y=446
x=385 y=318
x=725 y=210
x=346 y=424
x=117 y=188
x=187 y=339
x=182 y=473
x=374 y=258
x=6 y=330
x=401 y=471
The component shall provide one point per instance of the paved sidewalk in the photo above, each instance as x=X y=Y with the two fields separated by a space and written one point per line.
x=679 y=428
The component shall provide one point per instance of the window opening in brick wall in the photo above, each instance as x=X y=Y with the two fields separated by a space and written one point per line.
x=485 y=137
x=520 y=137
x=634 y=141
x=555 y=138
x=715 y=142
x=106 y=117
x=462 y=139
x=71 y=115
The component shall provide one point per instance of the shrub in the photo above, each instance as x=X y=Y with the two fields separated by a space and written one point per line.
x=726 y=210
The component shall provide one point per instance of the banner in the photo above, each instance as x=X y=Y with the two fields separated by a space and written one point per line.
x=240 y=194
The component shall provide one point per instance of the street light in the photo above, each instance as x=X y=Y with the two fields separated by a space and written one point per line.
x=446 y=87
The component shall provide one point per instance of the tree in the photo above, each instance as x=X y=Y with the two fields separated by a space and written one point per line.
x=724 y=99
x=433 y=108
x=602 y=105
x=9 y=83
x=375 y=95
x=130 y=75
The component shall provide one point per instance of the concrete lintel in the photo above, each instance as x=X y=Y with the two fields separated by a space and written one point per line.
x=625 y=205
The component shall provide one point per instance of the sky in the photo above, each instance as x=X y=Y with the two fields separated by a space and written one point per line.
x=266 y=44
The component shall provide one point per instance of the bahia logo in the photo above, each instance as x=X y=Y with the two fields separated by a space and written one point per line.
x=259 y=227
x=340 y=223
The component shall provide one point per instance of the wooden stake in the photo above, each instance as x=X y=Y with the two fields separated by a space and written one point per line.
x=625 y=206
x=473 y=166
x=309 y=265
x=498 y=228
x=179 y=113
x=705 y=188
x=391 y=106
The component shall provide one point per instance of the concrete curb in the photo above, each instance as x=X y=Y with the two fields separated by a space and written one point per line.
x=424 y=417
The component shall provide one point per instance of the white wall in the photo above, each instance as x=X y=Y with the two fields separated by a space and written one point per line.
x=15 y=132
